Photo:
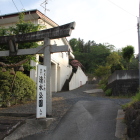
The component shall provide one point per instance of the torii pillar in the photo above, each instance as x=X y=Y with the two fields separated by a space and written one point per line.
x=47 y=62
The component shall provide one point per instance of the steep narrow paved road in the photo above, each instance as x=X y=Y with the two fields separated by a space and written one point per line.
x=89 y=118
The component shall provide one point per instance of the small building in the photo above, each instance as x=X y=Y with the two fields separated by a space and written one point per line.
x=61 y=69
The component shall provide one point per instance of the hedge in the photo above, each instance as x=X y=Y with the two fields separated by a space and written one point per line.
x=23 y=89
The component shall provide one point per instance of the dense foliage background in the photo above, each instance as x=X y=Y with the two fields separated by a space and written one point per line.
x=93 y=56
x=101 y=60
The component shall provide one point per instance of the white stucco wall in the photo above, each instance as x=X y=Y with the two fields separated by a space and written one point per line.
x=79 y=78
x=63 y=69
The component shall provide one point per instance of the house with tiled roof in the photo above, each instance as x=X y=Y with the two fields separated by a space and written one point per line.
x=61 y=70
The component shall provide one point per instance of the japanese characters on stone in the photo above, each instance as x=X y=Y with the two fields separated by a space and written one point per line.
x=41 y=92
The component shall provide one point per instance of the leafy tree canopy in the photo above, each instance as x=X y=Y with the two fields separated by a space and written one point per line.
x=90 y=54
x=20 y=27
x=128 y=53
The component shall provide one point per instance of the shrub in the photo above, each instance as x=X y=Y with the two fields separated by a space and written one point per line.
x=5 y=85
x=108 y=92
x=103 y=83
x=24 y=88
x=103 y=87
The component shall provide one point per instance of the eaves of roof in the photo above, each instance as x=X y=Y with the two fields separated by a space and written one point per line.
x=40 y=15
x=16 y=13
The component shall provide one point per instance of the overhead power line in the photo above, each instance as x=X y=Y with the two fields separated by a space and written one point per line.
x=15 y=5
x=30 y=15
x=122 y=8
x=121 y=32
x=22 y=4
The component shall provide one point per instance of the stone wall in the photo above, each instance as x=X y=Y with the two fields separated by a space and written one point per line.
x=124 y=82
x=132 y=120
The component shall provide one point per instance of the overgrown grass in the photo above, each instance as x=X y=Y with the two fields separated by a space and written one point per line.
x=135 y=99
x=121 y=97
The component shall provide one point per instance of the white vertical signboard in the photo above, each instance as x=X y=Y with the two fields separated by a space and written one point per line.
x=41 y=92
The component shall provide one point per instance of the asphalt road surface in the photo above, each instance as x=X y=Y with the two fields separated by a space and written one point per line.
x=88 y=121
x=89 y=118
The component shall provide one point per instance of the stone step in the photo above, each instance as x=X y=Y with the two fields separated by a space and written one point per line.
x=8 y=124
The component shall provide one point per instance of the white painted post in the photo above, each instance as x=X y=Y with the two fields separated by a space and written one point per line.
x=41 y=92
x=47 y=62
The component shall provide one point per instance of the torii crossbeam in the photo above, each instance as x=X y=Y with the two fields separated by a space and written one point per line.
x=52 y=33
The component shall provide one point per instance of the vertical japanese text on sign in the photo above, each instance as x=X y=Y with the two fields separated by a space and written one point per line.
x=41 y=92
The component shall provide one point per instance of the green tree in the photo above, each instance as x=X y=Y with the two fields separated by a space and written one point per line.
x=74 y=44
x=102 y=71
x=114 y=61
x=113 y=58
x=21 y=27
x=90 y=54
x=127 y=53
x=134 y=64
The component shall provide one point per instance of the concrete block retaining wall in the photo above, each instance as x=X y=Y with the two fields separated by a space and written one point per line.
x=124 y=82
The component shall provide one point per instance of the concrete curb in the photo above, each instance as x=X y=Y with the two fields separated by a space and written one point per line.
x=31 y=126
x=120 y=125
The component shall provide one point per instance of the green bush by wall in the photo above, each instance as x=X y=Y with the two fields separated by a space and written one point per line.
x=23 y=89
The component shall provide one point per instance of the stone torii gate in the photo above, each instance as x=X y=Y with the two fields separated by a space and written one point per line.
x=46 y=49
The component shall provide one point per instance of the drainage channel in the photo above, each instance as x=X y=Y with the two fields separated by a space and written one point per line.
x=10 y=121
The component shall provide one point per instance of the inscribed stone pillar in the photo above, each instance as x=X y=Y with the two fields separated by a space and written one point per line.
x=47 y=62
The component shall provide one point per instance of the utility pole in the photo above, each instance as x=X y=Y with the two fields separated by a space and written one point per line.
x=138 y=25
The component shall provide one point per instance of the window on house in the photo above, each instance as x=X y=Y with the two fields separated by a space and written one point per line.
x=66 y=54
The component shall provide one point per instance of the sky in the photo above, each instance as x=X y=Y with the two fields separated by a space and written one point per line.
x=104 y=21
